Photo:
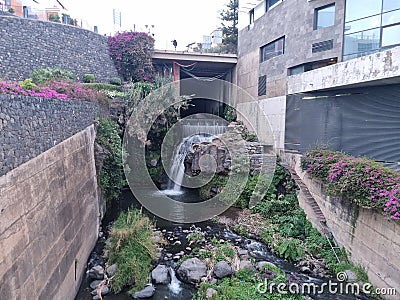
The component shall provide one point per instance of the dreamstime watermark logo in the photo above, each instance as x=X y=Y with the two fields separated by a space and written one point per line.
x=147 y=112
x=341 y=286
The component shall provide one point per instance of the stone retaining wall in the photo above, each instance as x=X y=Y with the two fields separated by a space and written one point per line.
x=371 y=239
x=49 y=220
x=27 y=44
x=29 y=126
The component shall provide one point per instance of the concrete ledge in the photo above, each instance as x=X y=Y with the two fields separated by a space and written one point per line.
x=375 y=69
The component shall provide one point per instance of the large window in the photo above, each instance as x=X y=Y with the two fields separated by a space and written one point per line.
x=325 y=16
x=370 y=26
x=272 y=49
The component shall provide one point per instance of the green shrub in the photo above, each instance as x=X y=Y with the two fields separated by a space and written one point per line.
x=115 y=81
x=130 y=245
x=230 y=113
x=101 y=87
x=88 y=78
x=112 y=177
x=290 y=249
x=43 y=75
x=27 y=84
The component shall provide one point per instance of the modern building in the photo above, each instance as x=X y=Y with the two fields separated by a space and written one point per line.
x=325 y=72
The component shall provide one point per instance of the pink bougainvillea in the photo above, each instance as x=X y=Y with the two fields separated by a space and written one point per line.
x=131 y=53
x=358 y=179
x=54 y=90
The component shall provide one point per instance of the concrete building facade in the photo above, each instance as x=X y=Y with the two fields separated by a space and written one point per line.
x=285 y=44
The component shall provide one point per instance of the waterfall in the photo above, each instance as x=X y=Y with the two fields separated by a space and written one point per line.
x=177 y=169
x=175 y=284
x=193 y=131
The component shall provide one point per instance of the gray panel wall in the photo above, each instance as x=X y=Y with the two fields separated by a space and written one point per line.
x=357 y=121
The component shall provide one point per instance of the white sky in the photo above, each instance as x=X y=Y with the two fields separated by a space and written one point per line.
x=184 y=20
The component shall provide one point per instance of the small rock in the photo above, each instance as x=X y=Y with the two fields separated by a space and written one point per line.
x=147 y=292
x=160 y=275
x=243 y=252
x=351 y=276
x=262 y=264
x=95 y=283
x=111 y=270
x=97 y=272
x=213 y=281
x=210 y=293
x=185 y=231
x=104 y=290
x=222 y=269
x=176 y=257
x=176 y=243
x=188 y=249
x=305 y=270
x=169 y=255
x=246 y=265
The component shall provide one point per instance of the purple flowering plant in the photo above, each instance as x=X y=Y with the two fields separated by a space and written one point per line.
x=358 y=179
x=131 y=53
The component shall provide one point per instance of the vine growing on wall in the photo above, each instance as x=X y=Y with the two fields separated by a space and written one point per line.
x=131 y=53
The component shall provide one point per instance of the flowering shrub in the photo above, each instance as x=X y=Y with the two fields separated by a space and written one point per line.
x=14 y=88
x=361 y=180
x=53 y=89
x=131 y=53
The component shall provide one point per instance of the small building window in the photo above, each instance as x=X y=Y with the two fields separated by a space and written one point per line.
x=251 y=19
x=262 y=85
x=270 y=3
x=325 y=16
x=272 y=49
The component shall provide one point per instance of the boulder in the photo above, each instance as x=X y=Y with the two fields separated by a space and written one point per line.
x=222 y=269
x=104 y=290
x=111 y=270
x=94 y=284
x=246 y=265
x=192 y=270
x=97 y=272
x=351 y=276
x=160 y=275
x=210 y=293
x=147 y=292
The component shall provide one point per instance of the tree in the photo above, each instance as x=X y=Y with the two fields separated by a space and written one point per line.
x=229 y=18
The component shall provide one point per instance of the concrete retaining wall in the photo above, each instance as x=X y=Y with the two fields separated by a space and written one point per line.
x=27 y=44
x=49 y=221
x=29 y=126
x=371 y=239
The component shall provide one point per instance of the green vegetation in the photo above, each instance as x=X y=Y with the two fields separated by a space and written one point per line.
x=88 y=78
x=130 y=245
x=43 y=75
x=115 y=81
x=112 y=177
x=244 y=285
x=97 y=86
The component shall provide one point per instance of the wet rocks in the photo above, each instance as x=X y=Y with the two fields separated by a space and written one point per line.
x=111 y=270
x=246 y=265
x=97 y=272
x=160 y=275
x=222 y=269
x=103 y=290
x=210 y=293
x=95 y=284
x=147 y=292
x=192 y=270
x=265 y=264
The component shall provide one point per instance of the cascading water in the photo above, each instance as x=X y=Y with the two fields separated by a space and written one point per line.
x=175 y=285
x=196 y=131
x=177 y=169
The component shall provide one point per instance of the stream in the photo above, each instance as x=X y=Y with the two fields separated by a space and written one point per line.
x=176 y=235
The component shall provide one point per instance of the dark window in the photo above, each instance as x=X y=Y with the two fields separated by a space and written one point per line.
x=272 y=49
x=312 y=66
x=251 y=16
x=325 y=16
x=262 y=85
x=270 y=3
x=363 y=43
x=322 y=46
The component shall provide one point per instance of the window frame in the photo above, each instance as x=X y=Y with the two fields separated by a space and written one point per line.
x=317 y=9
x=269 y=7
x=283 y=38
